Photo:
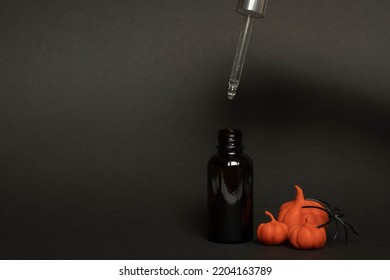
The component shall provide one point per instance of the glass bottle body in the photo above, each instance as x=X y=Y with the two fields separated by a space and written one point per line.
x=230 y=195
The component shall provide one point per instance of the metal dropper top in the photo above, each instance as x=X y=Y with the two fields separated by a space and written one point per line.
x=252 y=9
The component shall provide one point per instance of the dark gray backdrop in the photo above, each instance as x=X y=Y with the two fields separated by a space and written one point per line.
x=109 y=111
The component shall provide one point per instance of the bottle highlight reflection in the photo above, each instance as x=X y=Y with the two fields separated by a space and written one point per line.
x=230 y=190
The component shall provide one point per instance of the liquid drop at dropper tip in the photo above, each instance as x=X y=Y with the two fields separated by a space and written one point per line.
x=232 y=91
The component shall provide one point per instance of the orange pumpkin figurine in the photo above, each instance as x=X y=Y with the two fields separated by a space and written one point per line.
x=293 y=212
x=307 y=236
x=273 y=232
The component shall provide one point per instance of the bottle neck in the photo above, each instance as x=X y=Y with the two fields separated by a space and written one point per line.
x=229 y=142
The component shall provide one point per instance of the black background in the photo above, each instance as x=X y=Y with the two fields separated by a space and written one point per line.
x=110 y=111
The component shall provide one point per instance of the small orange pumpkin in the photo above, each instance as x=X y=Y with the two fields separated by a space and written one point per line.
x=307 y=236
x=291 y=213
x=273 y=232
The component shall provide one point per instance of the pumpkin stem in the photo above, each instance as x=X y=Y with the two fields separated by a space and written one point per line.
x=299 y=196
x=269 y=214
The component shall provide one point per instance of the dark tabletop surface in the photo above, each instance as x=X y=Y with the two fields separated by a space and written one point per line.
x=109 y=112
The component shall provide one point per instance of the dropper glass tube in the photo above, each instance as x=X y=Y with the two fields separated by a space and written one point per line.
x=239 y=57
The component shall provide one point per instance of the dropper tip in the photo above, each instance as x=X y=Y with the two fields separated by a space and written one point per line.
x=232 y=91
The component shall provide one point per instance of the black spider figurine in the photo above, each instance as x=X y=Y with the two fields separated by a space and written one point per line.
x=336 y=215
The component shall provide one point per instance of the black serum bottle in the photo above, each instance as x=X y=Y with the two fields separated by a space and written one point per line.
x=230 y=190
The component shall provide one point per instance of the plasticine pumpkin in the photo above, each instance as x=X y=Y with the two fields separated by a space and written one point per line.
x=307 y=236
x=291 y=213
x=273 y=232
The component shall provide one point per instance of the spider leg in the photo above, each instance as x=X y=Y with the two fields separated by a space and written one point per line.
x=345 y=230
x=336 y=231
x=317 y=207
x=351 y=227
x=340 y=215
x=323 y=203
x=325 y=224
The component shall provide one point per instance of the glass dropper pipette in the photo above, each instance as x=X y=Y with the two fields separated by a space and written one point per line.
x=252 y=9
x=239 y=58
